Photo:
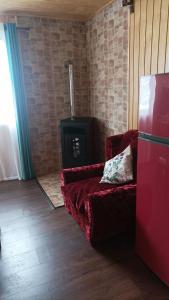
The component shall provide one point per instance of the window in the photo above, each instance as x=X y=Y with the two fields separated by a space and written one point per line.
x=7 y=110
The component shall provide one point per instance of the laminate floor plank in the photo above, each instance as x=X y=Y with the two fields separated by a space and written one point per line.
x=45 y=255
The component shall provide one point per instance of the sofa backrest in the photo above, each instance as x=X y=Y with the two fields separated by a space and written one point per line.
x=117 y=143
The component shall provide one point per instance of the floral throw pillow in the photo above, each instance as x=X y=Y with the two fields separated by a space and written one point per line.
x=119 y=169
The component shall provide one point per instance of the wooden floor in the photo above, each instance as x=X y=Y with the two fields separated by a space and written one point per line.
x=45 y=255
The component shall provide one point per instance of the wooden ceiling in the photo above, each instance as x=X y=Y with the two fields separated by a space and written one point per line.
x=63 y=9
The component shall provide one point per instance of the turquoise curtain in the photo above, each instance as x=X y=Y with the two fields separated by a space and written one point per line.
x=20 y=101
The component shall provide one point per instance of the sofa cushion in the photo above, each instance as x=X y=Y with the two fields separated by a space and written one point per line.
x=77 y=192
x=116 y=144
x=119 y=169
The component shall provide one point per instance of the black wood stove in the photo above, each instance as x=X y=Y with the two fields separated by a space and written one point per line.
x=76 y=133
x=77 y=144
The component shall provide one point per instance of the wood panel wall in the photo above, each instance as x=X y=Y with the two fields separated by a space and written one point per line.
x=148 y=47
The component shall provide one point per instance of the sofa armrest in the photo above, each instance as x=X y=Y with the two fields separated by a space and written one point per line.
x=111 y=212
x=80 y=173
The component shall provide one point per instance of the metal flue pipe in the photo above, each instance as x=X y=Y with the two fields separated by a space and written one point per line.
x=71 y=88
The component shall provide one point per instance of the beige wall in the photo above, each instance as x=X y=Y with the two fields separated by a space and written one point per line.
x=44 y=49
x=107 y=57
x=149 y=47
x=99 y=51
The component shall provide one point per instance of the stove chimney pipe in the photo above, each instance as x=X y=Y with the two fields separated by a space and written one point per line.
x=72 y=92
x=69 y=66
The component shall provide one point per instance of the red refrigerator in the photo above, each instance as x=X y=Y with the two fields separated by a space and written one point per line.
x=152 y=208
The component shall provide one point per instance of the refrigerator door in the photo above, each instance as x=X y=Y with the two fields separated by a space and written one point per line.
x=154 y=105
x=152 y=207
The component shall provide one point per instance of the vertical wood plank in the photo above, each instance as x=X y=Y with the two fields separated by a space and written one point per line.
x=131 y=72
x=163 y=36
x=155 y=37
x=128 y=76
x=167 y=49
x=149 y=47
x=143 y=23
x=149 y=29
x=136 y=62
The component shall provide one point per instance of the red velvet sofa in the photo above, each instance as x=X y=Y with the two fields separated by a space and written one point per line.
x=101 y=210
